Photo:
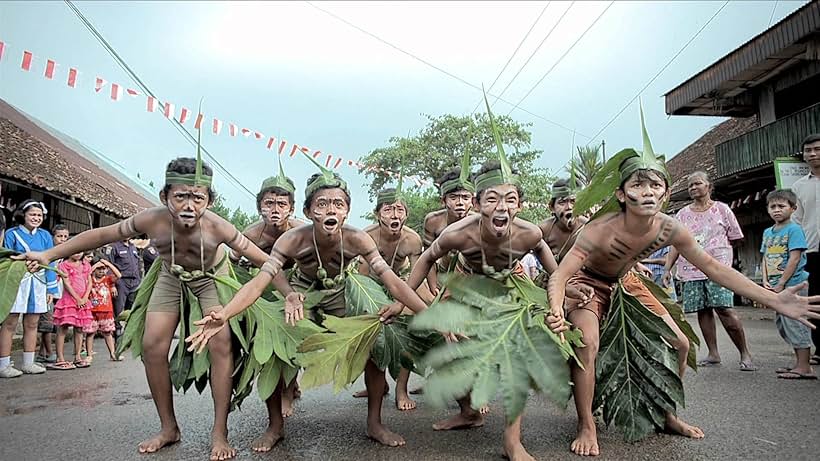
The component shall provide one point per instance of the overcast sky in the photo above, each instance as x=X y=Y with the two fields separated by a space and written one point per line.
x=292 y=70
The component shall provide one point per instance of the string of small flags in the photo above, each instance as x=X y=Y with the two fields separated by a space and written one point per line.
x=117 y=92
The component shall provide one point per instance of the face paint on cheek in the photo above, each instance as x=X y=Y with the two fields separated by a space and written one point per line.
x=632 y=198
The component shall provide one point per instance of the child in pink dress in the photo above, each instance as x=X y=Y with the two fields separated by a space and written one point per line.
x=73 y=309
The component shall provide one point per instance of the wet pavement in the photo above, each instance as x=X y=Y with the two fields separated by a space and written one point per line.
x=102 y=412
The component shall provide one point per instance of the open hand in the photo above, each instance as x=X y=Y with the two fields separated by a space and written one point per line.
x=581 y=294
x=210 y=325
x=800 y=308
x=451 y=337
x=33 y=260
x=294 y=307
x=389 y=312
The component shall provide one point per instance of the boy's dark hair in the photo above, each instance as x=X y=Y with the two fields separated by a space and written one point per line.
x=309 y=198
x=812 y=138
x=783 y=195
x=455 y=173
x=563 y=182
x=187 y=165
x=20 y=213
x=273 y=190
x=491 y=165
x=389 y=190
x=642 y=175
x=59 y=227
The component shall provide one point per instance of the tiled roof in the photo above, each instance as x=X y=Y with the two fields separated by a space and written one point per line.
x=700 y=155
x=30 y=153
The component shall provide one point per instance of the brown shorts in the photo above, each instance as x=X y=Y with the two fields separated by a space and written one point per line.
x=167 y=291
x=333 y=302
x=603 y=292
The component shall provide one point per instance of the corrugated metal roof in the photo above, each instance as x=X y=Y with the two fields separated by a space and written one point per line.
x=721 y=89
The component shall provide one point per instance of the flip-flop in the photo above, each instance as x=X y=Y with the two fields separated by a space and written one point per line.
x=708 y=363
x=747 y=366
x=796 y=375
x=61 y=366
x=81 y=364
x=782 y=370
x=814 y=360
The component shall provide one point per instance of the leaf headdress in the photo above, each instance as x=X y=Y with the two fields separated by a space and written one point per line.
x=281 y=181
x=500 y=176
x=325 y=179
x=463 y=180
x=198 y=178
x=388 y=196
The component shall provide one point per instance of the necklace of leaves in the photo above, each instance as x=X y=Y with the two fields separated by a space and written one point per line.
x=180 y=271
x=395 y=252
x=489 y=270
x=321 y=272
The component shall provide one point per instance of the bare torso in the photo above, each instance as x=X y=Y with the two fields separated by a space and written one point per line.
x=558 y=238
x=397 y=253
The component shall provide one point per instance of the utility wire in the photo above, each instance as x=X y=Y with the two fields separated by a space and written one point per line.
x=179 y=127
x=478 y=104
x=685 y=45
x=561 y=58
x=554 y=26
x=429 y=64
x=771 y=18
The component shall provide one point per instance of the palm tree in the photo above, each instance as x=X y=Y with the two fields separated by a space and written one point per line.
x=586 y=163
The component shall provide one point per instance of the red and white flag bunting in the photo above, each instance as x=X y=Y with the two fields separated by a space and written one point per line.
x=117 y=91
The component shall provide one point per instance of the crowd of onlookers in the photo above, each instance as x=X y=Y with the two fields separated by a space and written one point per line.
x=82 y=296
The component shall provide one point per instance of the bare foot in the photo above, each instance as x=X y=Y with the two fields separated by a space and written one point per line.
x=676 y=425
x=515 y=451
x=268 y=440
x=220 y=448
x=163 y=439
x=287 y=405
x=404 y=402
x=362 y=394
x=484 y=410
x=381 y=434
x=460 y=421
x=586 y=442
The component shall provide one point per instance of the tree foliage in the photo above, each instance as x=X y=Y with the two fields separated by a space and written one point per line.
x=438 y=148
x=237 y=217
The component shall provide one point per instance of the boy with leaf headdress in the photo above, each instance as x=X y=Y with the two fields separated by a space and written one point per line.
x=322 y=250
x=638 y=374
x=562 y=226
x=191 y=267
x=515 y=337
x=401 y=247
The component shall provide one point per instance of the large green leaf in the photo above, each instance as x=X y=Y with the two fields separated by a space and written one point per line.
x=396 y=346
x=11 y=274
x=676 y=312
x=637 y=378
x=603 y=185
x=340 y=354
x=509 y=350
x=135 y=327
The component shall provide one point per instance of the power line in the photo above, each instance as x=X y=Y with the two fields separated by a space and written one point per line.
x=478 y=104
x=561 y=58
x=439 y=69
x=771 y=18
x=554 y=26
x=686 y=45
x=121 y=62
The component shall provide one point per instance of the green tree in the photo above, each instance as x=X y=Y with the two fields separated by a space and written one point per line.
x=439 y=147
x=587 y=163
x=237 y=217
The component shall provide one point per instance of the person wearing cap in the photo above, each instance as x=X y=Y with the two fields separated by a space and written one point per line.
x=189 y=239
x=34 y=293
x=629 y=227
x=322 y=251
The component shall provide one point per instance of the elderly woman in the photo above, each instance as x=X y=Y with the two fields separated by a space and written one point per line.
x=35 y=290
x=715 y=228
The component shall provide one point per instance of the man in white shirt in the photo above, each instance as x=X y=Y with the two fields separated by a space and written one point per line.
x=807 y=216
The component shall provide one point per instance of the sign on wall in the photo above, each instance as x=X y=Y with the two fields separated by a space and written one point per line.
x=787 y=170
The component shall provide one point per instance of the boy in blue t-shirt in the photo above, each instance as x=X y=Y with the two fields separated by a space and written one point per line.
x=784 y=262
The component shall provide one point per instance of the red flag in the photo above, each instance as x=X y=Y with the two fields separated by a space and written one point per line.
x=293 y=150
x=50 y=65
x=152 y=104
x=246 y=132
x=327 y=162
x=2 y=47
x=99 y=84
x=183 y=116
x=72 y=77
x=270 y=142
x=317 y=153
x=26 y=64
x=116 y=92
x=232 y=129
x=282 y=147
x=258 y=135
x=133 y=93
x=198 y=122
x=350 y=163
x=217 y=126
x=338 y=162
x=169 y=110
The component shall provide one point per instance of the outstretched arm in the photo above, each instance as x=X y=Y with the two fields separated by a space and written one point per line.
x=786 y=302
x=427 y=260
x=392 y=282
x=571 y=263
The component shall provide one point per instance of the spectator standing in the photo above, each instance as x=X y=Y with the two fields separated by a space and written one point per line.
x=73 y=309
x=784 y=265
x=530 y=265
x=807 y=216
x=715 y=228
x=104 y=276
x=149 y=255
x=35 y=290
x=45 y=325
x=655 y=263
x=125 y=256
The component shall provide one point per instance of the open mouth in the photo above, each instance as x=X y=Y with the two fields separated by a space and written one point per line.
x=500 y=222
x=567 y=216
x=330 y=223
x=395 y=225
x=187 y=215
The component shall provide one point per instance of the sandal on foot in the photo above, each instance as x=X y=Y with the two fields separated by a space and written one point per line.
x=708 y=363
x=814 y=360
x=63 y=365
x=80 y=363
x=117 y=358
x=796 y=375
x=782 y=370
x=747 y=366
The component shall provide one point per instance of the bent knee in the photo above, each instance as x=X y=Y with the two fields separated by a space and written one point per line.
x=220 y=343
